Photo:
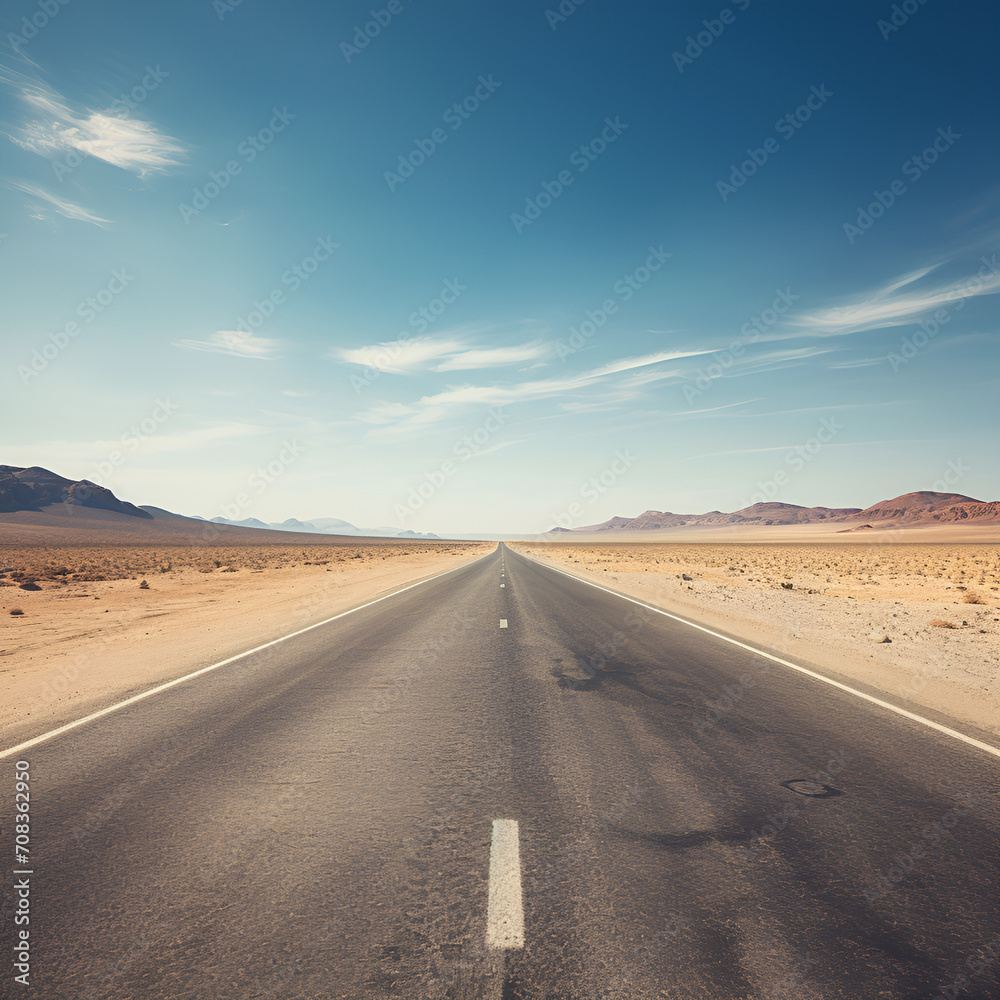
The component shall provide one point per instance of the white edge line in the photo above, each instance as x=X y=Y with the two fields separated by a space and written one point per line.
x=989 y=748
x=215 y=666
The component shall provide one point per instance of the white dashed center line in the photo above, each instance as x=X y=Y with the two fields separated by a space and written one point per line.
x=503 y=623
x=503 y=584
x=505 y=913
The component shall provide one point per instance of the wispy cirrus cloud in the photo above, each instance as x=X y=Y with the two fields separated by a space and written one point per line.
x=432 y=408
x=398 y=357
x=859 y=363
x=54 y=127
x=900 y=302
x=492 y=357
x=46 y=202
x=445 y=353
x=236 y=343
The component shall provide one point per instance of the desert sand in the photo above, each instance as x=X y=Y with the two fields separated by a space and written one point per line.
x=831 y=606
x=92 y=634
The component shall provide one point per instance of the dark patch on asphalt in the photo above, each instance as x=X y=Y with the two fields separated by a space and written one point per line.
x=811 y=788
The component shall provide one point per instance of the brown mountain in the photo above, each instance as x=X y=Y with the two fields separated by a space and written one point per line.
x=925 y=507
x=37 y=506
x=758 y=514
x=909 y=509
x=35 y=488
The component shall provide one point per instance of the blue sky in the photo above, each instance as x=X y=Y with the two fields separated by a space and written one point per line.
x=481 y=267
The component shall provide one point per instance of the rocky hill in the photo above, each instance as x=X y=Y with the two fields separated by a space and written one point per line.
x=35 y=488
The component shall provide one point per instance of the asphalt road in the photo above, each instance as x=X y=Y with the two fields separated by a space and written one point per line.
x=318 y=819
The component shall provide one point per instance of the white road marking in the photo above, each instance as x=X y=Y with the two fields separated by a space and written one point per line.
x=954 y=733
x=503 y=623
x=21 y=747
x=505 y=913
x=503 y=584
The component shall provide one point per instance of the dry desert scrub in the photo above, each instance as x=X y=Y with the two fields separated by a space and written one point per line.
x=51 y=567
x=917 y=572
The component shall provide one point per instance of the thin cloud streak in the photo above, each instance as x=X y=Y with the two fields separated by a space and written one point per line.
x=65 y=208
x=439 y=354
x=233 y=342
x=433 y=408
x=491 y=357
x=885 y=308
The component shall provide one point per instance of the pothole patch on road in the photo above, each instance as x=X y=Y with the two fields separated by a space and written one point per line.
x=811 y=788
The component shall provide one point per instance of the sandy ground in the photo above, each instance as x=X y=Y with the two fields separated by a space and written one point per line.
x=82 y=644
x=838 y=532
x=830 y=606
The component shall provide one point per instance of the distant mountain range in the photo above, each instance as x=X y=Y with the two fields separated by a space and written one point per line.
x=35 y=489
x=921 y=508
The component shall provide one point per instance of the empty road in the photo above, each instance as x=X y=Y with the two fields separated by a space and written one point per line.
x=504 y=782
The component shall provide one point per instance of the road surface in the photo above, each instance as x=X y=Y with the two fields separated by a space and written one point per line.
x=504 y=782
